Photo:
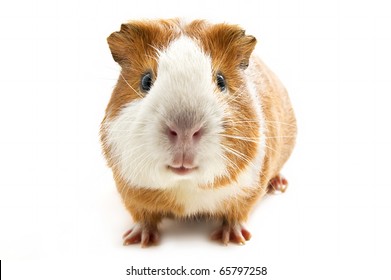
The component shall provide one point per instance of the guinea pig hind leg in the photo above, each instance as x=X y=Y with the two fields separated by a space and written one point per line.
x=142 y=233
x=234 y=232
x=277 y=184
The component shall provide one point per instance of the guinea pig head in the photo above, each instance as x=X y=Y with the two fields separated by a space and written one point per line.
x=182 y=110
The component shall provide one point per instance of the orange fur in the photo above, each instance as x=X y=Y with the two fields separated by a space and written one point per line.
x=280 y=136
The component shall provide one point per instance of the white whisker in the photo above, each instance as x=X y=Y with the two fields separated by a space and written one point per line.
x=131 y=86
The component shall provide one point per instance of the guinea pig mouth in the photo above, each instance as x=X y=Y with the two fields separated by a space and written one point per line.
x=182 y=170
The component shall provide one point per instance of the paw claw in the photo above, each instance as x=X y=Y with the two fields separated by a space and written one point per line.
x=142 y=234
x=231 y=233
x=127 y=233
x=278 y=184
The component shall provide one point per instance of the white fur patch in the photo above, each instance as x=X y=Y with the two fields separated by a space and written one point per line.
x=250 y=176
x=196 y=200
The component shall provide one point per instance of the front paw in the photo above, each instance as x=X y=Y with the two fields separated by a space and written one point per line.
x=235 y=233
x=143 y=234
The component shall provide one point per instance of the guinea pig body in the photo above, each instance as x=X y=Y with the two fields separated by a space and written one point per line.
x=196 y=126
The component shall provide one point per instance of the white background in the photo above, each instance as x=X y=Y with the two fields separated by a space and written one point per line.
x=60 y=215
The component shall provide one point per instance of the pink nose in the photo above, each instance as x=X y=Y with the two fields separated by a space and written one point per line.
x=184 y=136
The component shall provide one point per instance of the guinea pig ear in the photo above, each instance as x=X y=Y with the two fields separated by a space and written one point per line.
x=229 y=43
x=120 y=42
x=246 y=46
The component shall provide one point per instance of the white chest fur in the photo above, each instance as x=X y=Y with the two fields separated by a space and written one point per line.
x=196 y=200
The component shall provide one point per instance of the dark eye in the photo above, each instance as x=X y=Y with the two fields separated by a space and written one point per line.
x=146 y=82
x=220 y=80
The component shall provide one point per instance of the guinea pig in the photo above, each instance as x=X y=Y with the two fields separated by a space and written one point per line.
x=197 y=126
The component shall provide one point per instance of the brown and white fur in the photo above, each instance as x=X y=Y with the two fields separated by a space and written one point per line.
x=188 y=147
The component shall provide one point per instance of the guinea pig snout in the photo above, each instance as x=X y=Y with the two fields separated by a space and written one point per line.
x=184 y=142
x=178 y=135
